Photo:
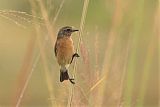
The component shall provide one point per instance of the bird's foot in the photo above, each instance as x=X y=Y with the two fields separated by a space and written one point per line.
x=71 y=80
x=76 y=55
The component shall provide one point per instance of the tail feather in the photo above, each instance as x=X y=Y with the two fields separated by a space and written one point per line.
x=64 y=75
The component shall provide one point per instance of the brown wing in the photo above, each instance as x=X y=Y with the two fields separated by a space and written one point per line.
x=55 y=49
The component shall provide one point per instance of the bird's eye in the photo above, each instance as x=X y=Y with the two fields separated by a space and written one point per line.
x=68 y=29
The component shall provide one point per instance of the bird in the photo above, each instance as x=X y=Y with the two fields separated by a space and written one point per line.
x=64 y=51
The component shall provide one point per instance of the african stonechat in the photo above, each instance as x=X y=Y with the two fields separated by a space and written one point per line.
x=64 y=51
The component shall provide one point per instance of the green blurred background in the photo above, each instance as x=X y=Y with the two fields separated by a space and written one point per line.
x=120 y=42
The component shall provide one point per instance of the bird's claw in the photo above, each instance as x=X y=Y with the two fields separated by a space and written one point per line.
x=71 y=80
x=76 y=55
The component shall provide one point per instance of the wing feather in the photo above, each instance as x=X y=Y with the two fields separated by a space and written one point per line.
x=55 y=49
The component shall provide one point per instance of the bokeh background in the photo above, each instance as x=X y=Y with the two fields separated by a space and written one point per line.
x=118 y=44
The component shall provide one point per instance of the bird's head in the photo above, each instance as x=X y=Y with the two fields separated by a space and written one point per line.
x=66 y=31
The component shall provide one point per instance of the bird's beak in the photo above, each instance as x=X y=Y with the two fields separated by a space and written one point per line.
x=75 y=30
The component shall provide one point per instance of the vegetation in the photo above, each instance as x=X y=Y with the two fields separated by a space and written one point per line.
x=118 y=46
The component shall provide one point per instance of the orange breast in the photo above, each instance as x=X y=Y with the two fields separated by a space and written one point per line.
x=65 y=50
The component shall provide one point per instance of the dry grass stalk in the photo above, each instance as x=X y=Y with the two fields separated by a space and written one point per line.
x=148 y=61
x=96 y=50
x=83 y=17
x=20 y=18
x=59 y=10
x=19 y=13
x=119 y=104
x=48 y=78
x=14 y=21
x=25 y=73
x=110 y=46
x=47 y=22
x=157 y=26
x=146 y=73
x=42 y=51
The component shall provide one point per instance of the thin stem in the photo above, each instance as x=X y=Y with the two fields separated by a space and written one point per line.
x=35 y=62
x=83 y=17
x=59 y=10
